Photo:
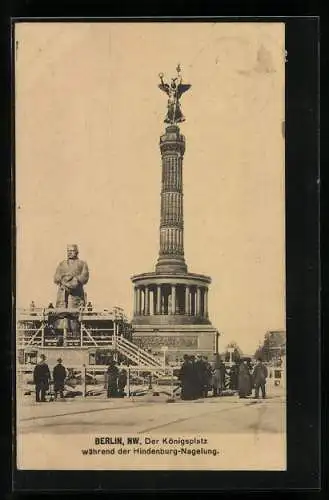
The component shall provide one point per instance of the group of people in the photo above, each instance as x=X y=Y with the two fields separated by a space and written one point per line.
x=116 y=380
x=195 y=376
x=249 y=378
x=42 y=379
x=198 y=376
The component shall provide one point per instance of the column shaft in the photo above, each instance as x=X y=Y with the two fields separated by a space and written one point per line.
x=147 y=301
x=173 y=299
x=187 y=300
x=158 y=305
x=171 y=254
x=198 y=301
x=139 y=301
x=206 y=302
x=142 y=294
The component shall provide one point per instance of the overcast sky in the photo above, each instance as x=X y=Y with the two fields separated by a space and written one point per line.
x=88 y=119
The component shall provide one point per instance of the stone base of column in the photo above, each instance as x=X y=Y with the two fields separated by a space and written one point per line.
x=169 y=264
x=169 y=319
x=180 y=340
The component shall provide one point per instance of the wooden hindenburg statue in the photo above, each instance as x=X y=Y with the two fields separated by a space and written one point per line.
x=174 y=90
x=71 y=275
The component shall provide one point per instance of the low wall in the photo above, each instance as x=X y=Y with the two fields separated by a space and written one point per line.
x=177 y=343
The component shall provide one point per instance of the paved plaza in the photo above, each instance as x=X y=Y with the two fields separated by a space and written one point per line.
x=150 y=413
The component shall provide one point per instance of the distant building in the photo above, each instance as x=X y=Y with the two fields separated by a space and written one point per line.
x=274 y=345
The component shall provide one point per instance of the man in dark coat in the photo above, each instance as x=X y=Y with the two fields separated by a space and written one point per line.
x=186 y=378
x=260 y=374
x=59 y=376
x=200 y=377
x=41 y=379
x=207 y=377
x=122 y=382
x=244 y=381
x=112 y=379
x=195 y=378
x=222 y=370
x=234 y=370
x=218 y=376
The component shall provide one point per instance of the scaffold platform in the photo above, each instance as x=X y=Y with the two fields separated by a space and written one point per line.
x=96 y=336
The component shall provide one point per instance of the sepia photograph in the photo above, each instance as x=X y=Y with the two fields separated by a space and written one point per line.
x=150 y=245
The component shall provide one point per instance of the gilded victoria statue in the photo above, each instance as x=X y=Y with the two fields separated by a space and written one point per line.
x=174 y=90
x=71 y=275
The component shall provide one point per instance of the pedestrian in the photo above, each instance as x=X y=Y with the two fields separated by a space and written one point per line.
x=207 y=377
x=122 y=382
x=216 y=375
x=223 y=374
x=112 y=379
x=200 y=369
x=218 y=381
x=250 y=368
x=41 y=379
x=186 y=378
x=244 y=379
x=59 y=376
x=234 y=371
x=195 y=378
x=260 y=374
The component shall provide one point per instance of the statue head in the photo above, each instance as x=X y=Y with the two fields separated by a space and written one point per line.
x=173 y=83
x=72 y=251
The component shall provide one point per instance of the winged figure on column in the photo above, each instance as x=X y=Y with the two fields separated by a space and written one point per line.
x=174 y=90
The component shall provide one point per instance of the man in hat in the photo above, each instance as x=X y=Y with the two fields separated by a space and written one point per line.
x=186 y=378
x=208 y=376
x=218 y=380
x=244 y=379
x=233 y=373
x=59 y=376
x=41 y=379
x=260 y=374
x=201 y=377
x=112 y=379
x=71 y=275
x=122 y=382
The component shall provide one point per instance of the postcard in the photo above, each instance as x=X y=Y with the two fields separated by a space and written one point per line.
x=150 y=223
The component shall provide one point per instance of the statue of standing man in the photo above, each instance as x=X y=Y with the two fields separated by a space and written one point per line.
x=71 y=275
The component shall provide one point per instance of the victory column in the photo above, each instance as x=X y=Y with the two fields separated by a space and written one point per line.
x=171 y=304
